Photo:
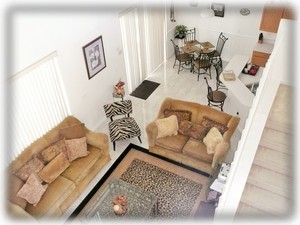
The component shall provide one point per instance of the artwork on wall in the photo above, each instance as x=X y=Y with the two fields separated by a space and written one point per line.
x=94 y=57
x=218 y=9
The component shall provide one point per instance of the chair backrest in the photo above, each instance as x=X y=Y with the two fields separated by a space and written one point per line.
x=190 y=35
x=205 y=59
x=219 y=67
x=209 y=90
x=118 y=108
x=176 y=51
x=221 y=42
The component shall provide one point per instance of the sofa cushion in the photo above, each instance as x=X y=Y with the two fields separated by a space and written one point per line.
x=14 y=185
x=54 y=196
x=167 y=126
x=53 y=150
x=32 y=166
x=81 y=166
x=209 y=123
x=212 y=138
x=173 y=143
x=197 y=149
x=74 y=131
x=180 y=114
x=76 y=148
x=32 y=190
x=193 y=130
x=54 y=168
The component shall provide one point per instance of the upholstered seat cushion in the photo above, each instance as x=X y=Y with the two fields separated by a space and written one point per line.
x=197 y=149
x=124 y=128
x=173 y=143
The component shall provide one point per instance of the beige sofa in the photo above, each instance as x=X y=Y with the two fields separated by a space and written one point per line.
x=69 y=183
x=186 y=149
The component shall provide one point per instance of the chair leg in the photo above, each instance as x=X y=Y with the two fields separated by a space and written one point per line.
x=139 y=137
x=114 y=145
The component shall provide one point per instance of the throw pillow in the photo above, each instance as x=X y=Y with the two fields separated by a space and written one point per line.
x=32 y=191
x=54 y=168
x=72 y=132
x=32 y=166
x=76 y=148
x=167 y=126
x=181 y=114
x=53 y=150
x=193 y=130
x=212 y=138
x=220 y=152
x=209 y=123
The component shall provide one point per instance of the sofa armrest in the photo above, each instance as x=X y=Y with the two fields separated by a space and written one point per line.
x=232 y=125
x=152 y=132
x=98 y=140
x=17 y=212
x=221 y=150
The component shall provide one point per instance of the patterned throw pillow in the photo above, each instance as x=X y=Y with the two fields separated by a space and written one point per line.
x=181 y=114
x=209 y=123
x=32 y=166
x=32 y=191
x=76 y=148
x=53 y=150
x=193 y=130
x=167 y=126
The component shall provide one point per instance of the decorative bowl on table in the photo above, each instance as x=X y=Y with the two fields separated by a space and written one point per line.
x=120 y=205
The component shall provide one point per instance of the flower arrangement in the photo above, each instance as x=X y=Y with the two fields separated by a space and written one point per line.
x=119 y=87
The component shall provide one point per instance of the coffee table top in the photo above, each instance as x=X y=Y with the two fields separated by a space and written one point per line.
x=140 y=203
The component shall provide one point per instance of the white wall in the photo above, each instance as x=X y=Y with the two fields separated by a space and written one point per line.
x=36 y=33
x=242 y=31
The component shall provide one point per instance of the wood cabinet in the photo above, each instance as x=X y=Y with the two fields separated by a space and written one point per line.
x=260 y=58
x=272 y=15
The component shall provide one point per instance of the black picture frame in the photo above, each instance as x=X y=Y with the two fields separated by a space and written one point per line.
x=218 y=9
x=94 y=56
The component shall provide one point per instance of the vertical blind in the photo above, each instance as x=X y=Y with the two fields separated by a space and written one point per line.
x=37 y=103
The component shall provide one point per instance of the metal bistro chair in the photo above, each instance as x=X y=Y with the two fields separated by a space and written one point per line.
x=219 y=49
x=215 y=98
x=202 y=62
x=190 y=35
x=219 y=68
x=121 y=128
x=182 y=58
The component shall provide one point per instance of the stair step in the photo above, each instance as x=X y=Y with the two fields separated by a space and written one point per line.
x=266 y=201
x=277 y=140
x=270 y=180
x=274 y=160
x=245 y=210
x=286 y=127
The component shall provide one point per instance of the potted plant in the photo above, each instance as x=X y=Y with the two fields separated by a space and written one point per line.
x=180 y=31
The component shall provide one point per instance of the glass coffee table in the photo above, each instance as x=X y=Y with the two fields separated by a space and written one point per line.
x=141 y=204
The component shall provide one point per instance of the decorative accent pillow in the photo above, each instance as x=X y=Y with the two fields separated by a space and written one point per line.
x=32 y=166
x=76 y=148
x=167 y=126
x=54 y=168
x=220 y=152
x=32 y=191
x=72 y=132
x=193 y=130
x=212 y=138
x=181 y=114
x=53 y=150
x=209 y=123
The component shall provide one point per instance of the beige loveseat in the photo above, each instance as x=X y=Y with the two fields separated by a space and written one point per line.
x=190 y=150
x=65 y=180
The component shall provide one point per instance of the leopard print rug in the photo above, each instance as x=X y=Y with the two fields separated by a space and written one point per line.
x=176 y=194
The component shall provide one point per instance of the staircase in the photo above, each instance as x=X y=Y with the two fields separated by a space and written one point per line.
x=269 y=188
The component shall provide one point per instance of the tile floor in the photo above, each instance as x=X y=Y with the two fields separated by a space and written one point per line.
x=182 y=86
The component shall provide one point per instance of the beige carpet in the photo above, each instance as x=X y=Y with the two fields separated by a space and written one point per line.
x=167 y=166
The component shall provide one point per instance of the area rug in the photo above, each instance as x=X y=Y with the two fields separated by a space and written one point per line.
x=145 y=89
x=179 y=189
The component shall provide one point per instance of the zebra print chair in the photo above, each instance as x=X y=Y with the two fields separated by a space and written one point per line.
x=124 y=127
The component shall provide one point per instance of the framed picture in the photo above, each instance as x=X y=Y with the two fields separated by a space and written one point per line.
x=94 y=57
x=218 y=9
